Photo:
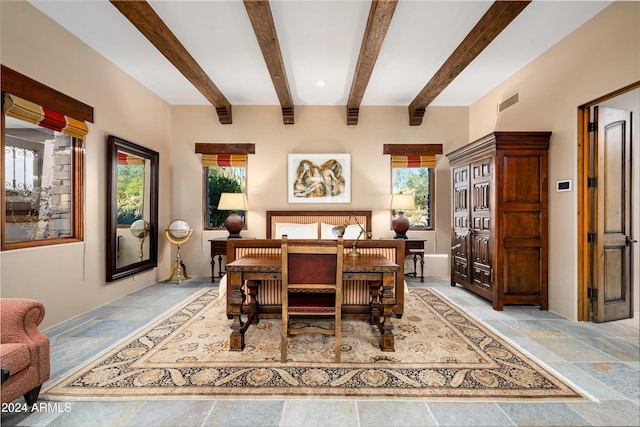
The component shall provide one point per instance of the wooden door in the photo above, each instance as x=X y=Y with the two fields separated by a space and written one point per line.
x=481 y=208
x=461 y=229
x=612 y=204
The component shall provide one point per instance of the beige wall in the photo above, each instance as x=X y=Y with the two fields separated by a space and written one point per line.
x=70 y=279
x=316 y=130
x=600 y=57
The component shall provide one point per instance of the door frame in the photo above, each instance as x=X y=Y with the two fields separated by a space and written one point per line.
x=584 y=213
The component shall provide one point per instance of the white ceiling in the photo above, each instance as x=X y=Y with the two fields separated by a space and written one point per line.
x=320 y=41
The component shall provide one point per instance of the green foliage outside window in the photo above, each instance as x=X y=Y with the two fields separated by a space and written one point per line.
x=419 y=182
x=222 y=180
x=130 y=193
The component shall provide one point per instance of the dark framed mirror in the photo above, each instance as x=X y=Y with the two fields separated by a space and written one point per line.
x=132 y=208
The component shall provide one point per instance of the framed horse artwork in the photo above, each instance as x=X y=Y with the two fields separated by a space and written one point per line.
x=319 y=178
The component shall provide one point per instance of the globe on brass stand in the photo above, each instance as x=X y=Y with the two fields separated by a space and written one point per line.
x=178 y=233
x=140 y=229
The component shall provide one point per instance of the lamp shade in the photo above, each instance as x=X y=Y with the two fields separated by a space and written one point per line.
x=402 y=202
x=233 y=202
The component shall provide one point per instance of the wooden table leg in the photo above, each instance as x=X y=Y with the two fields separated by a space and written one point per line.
x=236 y=299
x=422 y=268
x=387 y=340
x=220 y=272
x=374 y=305
x=215 y=276
x=252 y=309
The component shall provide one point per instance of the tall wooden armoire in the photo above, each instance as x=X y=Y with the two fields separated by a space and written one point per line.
x=500 y=218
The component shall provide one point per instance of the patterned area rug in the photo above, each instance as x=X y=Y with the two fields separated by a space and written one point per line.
x=441 y=352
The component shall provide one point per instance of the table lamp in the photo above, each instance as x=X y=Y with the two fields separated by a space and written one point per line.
x=399 y=203
x=233 y=202
x=339 y=231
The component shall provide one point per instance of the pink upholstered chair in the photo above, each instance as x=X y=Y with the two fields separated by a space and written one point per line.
x=24 y=351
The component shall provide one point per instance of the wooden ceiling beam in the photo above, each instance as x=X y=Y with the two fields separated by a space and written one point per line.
x=147 y=21
x=496 y=19
x=380 y=15
x=261 y=18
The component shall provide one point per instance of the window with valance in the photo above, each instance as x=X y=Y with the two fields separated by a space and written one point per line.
x=412 y=172
x=42 y=141
x=224 y=169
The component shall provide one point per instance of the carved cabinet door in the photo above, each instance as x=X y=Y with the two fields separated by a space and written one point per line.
x=481 y=209
x=460 y=246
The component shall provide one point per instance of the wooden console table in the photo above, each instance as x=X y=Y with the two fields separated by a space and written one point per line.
x=377 y=270
x=415 y=247
x=218 y=249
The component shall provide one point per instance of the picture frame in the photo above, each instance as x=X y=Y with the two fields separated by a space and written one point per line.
x=319 y=178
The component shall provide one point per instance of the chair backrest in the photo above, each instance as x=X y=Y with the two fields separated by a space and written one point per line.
x=311 y=264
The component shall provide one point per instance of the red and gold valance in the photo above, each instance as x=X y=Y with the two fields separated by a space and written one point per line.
x=31 y=112
x=129 y=159
x=220 y=155
x=413 y=161
x=224 y=160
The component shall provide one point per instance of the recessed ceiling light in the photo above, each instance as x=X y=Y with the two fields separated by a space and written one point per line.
x=320 y=83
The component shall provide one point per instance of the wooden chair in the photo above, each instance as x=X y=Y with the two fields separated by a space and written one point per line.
x=311 y=286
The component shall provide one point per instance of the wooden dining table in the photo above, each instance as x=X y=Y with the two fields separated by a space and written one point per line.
x=377 y=270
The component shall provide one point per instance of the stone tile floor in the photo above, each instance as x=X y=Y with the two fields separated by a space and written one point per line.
x=601 y=359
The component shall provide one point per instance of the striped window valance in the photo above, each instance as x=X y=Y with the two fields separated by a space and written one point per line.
x=413 y=161
x=224 y=160
x=129 y=159
x=30 y=112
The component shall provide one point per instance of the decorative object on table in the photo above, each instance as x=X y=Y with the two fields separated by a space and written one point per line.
x=341 y=230
x=234 y=202
x=399 y=203
x=319 y=178
x=178 y=233
x=140 y=229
